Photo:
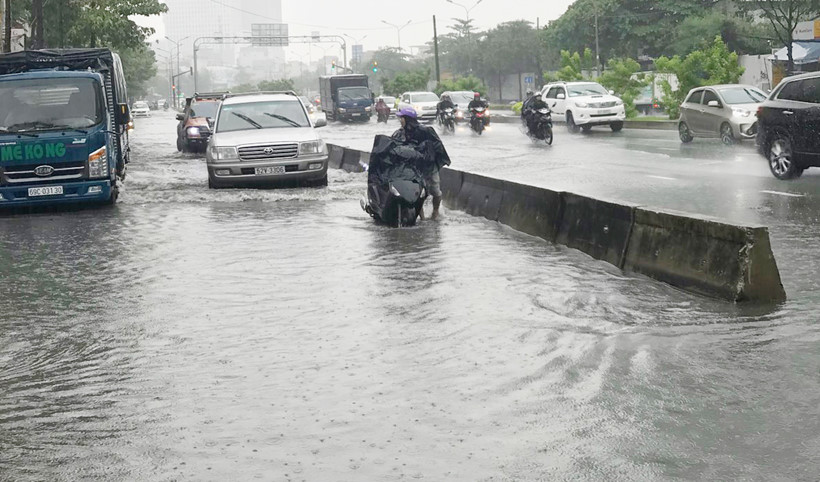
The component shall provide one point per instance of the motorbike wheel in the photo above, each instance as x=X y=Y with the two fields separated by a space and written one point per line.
x=408 y=216
x=451 y=126
x=548 y=136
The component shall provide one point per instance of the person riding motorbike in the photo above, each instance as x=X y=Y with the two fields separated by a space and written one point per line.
x=382 y=108
x=533 y=103
x=479 y=102
x=444 y=103
x=411 y=132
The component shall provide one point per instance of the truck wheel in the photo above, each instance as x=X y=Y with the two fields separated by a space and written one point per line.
x=115 y=194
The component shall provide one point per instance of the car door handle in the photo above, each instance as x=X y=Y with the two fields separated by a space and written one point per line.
x=788 y=112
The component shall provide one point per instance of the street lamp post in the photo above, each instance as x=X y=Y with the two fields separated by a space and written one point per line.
x=398 y=28
x=178 y=43
x=469 y=34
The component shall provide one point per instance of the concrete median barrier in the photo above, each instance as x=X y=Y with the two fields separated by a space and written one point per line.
x=532 y=210
x=694 y=253
x=600 y=229
x=480 y=196
x=705 y=256
x=335 y=154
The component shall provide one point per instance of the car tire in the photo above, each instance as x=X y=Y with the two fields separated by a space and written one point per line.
x=179 y=144
x=320 y=182
x=586 y=128
x=571 y=126
x=780 y=155
x=727 y=137
x=213 y=184
x=616 y=126
x=684 y=133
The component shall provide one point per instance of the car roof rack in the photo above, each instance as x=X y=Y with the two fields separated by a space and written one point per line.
x=262 y=92
x=214 y=95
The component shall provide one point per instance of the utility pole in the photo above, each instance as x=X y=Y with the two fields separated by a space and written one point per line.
x=435 y=47
x=597 y=46
x=7 y=26
x=38 y=14
x=398 y=28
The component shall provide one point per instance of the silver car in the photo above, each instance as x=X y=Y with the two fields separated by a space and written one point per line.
x=727 y=112
x=265 y=138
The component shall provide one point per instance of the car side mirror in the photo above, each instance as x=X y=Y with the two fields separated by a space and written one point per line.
x=611 y=92
x=180 y=117
x=560 y=96
x=713 y=103
x=123 y=116
x=320 y=122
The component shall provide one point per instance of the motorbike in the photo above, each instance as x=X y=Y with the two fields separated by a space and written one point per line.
x=383 y=116
x=395 y=187
x=477 y=120
x=541 y=126
x=448 y=120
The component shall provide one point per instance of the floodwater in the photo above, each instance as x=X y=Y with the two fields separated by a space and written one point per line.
x=188 y=334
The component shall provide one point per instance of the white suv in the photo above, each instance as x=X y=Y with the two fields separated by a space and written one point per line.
x=583 y=105
x=423 y=102
x=264 y=138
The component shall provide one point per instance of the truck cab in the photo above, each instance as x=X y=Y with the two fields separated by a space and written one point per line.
x=346 y=97
x=63 y=138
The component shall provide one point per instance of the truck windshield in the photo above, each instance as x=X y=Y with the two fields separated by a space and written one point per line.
x=49 y=104
x=354 y=93
x=204 y=109
x=262 y=115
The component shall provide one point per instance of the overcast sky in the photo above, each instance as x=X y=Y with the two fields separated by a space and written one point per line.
x=362 y=19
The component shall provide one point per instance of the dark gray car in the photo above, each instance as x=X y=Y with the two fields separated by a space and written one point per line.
x=726 y=112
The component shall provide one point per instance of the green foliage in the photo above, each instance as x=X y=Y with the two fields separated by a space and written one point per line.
x=623 y=77
x=244 y=88
x=139 y=66
x=709 y=66
x=574 y=65
x=406 y=82
x=277 y=85
x=465 y=83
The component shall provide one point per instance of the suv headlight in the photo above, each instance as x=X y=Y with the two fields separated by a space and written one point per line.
x=619 y=102
x=224 y=153
x=342 y=110
x=98 y=163
x=582 y=105
x=312 y=147
x=193 y=131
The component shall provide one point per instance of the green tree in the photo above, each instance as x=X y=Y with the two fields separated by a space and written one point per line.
x=574 y=66
x=406 y=82
x=139 y=66
x=277 y=85
x=783 y=16
x=470 y=83
x=710 y=66
x=509 y=48
x=624 y=78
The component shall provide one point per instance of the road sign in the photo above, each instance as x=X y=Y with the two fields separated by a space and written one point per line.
x=528 y=80
x=358 y=53
x=269 y=34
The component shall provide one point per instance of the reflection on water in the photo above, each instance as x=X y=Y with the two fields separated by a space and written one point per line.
x=281 y=335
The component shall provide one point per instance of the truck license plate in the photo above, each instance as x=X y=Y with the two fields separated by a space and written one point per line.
x=45 y=191
x=262 y=171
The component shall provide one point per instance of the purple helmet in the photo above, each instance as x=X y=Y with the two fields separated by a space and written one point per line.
x=407 y=112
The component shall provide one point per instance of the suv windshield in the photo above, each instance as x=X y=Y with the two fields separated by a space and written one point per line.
x=459 y=98
x=742 y=95
x=428 y=97
x=262 y=115
x=49 y=104
x=577 y=90
x=204 y=109
x=354 y=93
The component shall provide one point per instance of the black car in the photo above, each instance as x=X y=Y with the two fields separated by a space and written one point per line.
x=789 y=126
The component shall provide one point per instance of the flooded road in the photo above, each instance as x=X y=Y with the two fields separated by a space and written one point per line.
x=188 y=334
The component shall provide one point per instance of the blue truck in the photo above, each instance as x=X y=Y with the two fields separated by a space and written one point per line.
x=346 y=97
x=64 y=126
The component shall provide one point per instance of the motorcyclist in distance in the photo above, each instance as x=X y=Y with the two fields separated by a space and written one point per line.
x=478 y=102
x=382 y=107
x=444 y=103
x=533 y=103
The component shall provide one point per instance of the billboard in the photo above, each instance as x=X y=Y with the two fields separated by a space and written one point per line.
x=358 y=53
x=807 y=30
x=262 y=33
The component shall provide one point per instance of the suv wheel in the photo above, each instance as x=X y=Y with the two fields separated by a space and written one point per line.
x=726 y=135
x=571 y=126
x=616 y=126
x=684 y=133
x=781 y=157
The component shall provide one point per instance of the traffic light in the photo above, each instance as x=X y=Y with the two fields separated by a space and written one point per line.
x=333 y=65
x=375 y=66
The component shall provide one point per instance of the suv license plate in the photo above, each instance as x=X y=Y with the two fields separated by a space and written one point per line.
x=261 y=171
x=45 y=191
x=603 y=112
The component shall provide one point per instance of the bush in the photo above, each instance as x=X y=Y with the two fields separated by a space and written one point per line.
x=470 y=83
x=620 y=77
x=709 y=66
x=406 y=82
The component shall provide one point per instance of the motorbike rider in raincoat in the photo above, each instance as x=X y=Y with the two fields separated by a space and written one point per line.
x=411 y=132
